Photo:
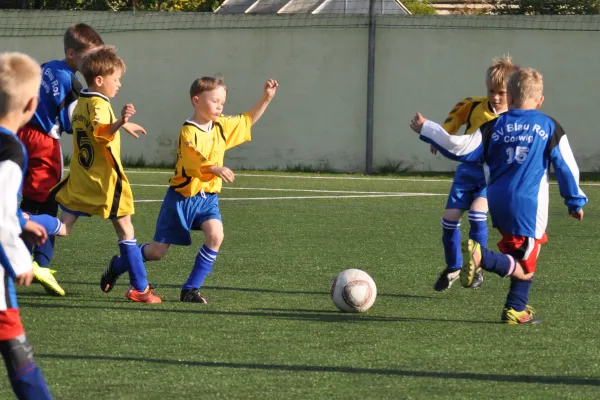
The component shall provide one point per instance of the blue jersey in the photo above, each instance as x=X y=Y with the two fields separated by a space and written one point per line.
x=58 y=96
x=516 y=151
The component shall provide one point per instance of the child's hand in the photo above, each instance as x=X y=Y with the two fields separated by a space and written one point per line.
x=126 y=113
x=131 y=128
x=270 y=89
x=578 y=215
x=24 y=279
x=224 y=173
x=416 y=124
x=34 y=233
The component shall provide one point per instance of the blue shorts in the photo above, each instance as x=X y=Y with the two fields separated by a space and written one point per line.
x=179 y=215
x=468 y=184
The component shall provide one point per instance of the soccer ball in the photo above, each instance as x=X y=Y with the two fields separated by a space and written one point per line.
x=353 y=290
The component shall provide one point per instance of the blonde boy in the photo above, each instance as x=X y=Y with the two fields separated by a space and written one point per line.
x=192 y=201
x=97 y=184
x=516 y=150
x=58 y=94
x=20 y=78
x=468 y=190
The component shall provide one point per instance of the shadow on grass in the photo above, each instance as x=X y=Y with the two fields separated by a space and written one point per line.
x=262 y=290
x=542 y=379
x=307 y=315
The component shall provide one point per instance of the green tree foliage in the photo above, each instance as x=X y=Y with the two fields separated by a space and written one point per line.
x=419 y=7
x=122 y=5
x=546 y=7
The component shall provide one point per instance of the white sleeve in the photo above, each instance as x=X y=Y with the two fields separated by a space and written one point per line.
x=14 y=256
x=456 y=145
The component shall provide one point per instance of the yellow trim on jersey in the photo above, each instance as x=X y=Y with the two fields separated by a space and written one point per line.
x=96 y=184
x=472 y=112
x=199 y=148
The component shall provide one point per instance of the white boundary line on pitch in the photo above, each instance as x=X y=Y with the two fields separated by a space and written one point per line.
x=294 y=190
x=311 y=197
x=349 y=178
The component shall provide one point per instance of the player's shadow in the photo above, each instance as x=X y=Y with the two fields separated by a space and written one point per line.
x=539 y=379
x=307 y=315
x=264 y=290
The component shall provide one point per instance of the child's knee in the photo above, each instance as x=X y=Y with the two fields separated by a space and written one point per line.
x=453 y=214
x=214 y=239
x=155 y=251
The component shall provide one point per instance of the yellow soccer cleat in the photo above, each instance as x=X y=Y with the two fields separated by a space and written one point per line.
x=471 y=269
x=45 y=277
x=512 y=317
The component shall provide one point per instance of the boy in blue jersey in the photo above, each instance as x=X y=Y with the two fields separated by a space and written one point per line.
x=20 y=77
x=516 y=151
x=468 y=190
x=58 y=94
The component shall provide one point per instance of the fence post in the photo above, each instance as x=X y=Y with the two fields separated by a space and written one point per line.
x=370 y=88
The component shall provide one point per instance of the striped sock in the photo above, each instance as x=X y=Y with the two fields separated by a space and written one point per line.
x=451 y=242
x=478 y=231
x=131 y=260
x=202 y=267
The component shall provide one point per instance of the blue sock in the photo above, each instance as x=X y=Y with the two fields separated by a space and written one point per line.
x=497 y=263
x=29 y=383
x=451 y=242
x=43 y=254
x=478 y=231
x=202 y=267
x=131 y=261
x=518 y=295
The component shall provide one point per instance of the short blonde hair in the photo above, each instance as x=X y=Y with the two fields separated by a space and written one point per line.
x=206 y=84
x=525 y=84
x=102 y=61
x=20 y=80
x=500 y=70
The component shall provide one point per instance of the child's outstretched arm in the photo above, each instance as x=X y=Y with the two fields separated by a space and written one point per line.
x=107 y=131
x=259 y=108
x=465 y=148
x=567 y=172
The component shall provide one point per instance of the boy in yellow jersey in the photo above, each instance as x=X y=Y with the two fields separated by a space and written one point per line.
x=192 y=201
x=96 y=184
x=468 y=191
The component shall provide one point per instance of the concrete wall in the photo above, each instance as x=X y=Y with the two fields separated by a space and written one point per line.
x=319 y=115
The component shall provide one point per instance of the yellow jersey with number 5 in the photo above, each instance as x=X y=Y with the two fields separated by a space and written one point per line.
x=96 y=184
x=472 y=112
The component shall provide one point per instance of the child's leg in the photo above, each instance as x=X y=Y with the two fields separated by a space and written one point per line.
x=213 y=233
x=154 y=251
x=130 y=258
x=501 y=264
x=68 y=220
x=44 y=254
x=25 y=376
x=52 y=224
x=478 y=221
x=451 y=238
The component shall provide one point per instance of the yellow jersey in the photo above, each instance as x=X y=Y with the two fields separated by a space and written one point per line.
x=472 y=112
x=198 y=148
x=96 y=184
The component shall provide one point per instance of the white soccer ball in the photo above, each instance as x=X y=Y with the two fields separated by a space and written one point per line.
x=353 y=290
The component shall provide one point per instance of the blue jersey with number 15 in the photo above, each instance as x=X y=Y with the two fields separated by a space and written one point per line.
x=516 y=151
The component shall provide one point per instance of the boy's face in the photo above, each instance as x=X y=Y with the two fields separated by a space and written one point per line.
x=210 y=104
x=497 y=97
x=109 y=85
